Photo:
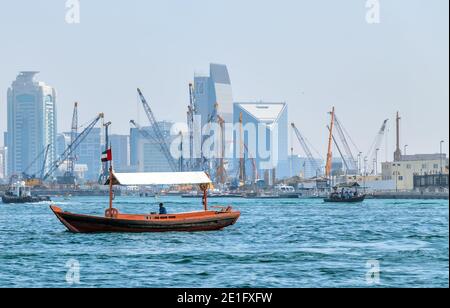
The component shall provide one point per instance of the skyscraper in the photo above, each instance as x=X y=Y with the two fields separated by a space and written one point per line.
x=213 y=94
x=214 y=104
x=265 y=133
x=119 y=144
x=31 y=123
x=2 y=163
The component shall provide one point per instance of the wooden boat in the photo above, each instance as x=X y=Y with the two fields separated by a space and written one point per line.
x=190 y=222
x=113 y=221
x=353 y=199
x=346 y=197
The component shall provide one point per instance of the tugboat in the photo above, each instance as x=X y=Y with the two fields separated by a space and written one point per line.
x=20 y=193
x=346 y=193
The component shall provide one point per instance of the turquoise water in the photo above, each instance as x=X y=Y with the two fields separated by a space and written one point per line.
x=276 y=243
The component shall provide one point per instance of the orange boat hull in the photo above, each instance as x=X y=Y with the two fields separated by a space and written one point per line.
x=184 y=222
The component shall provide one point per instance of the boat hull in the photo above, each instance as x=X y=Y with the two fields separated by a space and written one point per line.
x=358 y=199
x=189 y=222
x=20 y=200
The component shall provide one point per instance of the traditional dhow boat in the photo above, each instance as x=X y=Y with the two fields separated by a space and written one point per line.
x=346 y=193
x=207 y=220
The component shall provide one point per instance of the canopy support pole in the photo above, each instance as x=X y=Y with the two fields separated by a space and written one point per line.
x=204 y=188
x=110 y=188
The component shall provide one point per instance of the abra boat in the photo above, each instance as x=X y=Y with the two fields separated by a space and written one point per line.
x=20 y=193
x=346 y=193
x=215 y=218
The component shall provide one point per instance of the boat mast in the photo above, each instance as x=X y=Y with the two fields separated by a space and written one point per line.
x=330 y=144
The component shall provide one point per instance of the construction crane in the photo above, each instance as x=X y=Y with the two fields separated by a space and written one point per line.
x=220 y=171
x=192 y=110
x=330 y=146
x=144 y=133
x=253 y=160
x=377 y=143
x=33 y=180
x=160 y=139
x=242 y=174
x=69 y=175
x=339 y=149
x=350 y=159
x=305 y=147
x=73 y=135
x=72 y=147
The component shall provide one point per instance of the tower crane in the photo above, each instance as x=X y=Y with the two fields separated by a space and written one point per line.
x=72 y=147
x=305 y=147
x=160 y=139
x=377 y=142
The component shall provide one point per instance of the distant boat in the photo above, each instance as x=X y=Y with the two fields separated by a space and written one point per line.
x=20 y=193
x=341 y=194
x=113 y=221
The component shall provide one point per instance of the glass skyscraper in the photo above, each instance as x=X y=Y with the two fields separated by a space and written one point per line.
x=265 y=133
x=31 y=124
x=213 y=94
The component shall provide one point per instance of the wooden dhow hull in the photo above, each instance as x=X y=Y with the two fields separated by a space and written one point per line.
x=184 y=222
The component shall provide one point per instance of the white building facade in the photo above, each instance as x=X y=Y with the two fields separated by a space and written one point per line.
x=31 y=123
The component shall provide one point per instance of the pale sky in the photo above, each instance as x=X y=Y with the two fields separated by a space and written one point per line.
x=310 y=54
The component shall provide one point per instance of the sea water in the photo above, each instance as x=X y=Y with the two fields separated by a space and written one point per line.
x=276 y=243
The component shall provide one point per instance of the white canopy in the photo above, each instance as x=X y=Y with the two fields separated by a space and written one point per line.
x=160 y=178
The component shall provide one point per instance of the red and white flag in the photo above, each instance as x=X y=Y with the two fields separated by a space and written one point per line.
x=107 y=155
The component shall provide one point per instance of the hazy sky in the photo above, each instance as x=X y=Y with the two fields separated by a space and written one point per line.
x=310 y=54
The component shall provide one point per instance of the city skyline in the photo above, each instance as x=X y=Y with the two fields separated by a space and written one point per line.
x=146 y=51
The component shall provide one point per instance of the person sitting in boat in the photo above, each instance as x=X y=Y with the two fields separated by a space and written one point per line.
x=162 y=209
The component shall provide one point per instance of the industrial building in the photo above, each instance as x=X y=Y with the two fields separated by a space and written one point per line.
x=405 y=170
x=265 y=133
x=402 y=171
x=31 y=123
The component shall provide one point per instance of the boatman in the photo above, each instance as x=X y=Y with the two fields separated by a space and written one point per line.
x=162 y=209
